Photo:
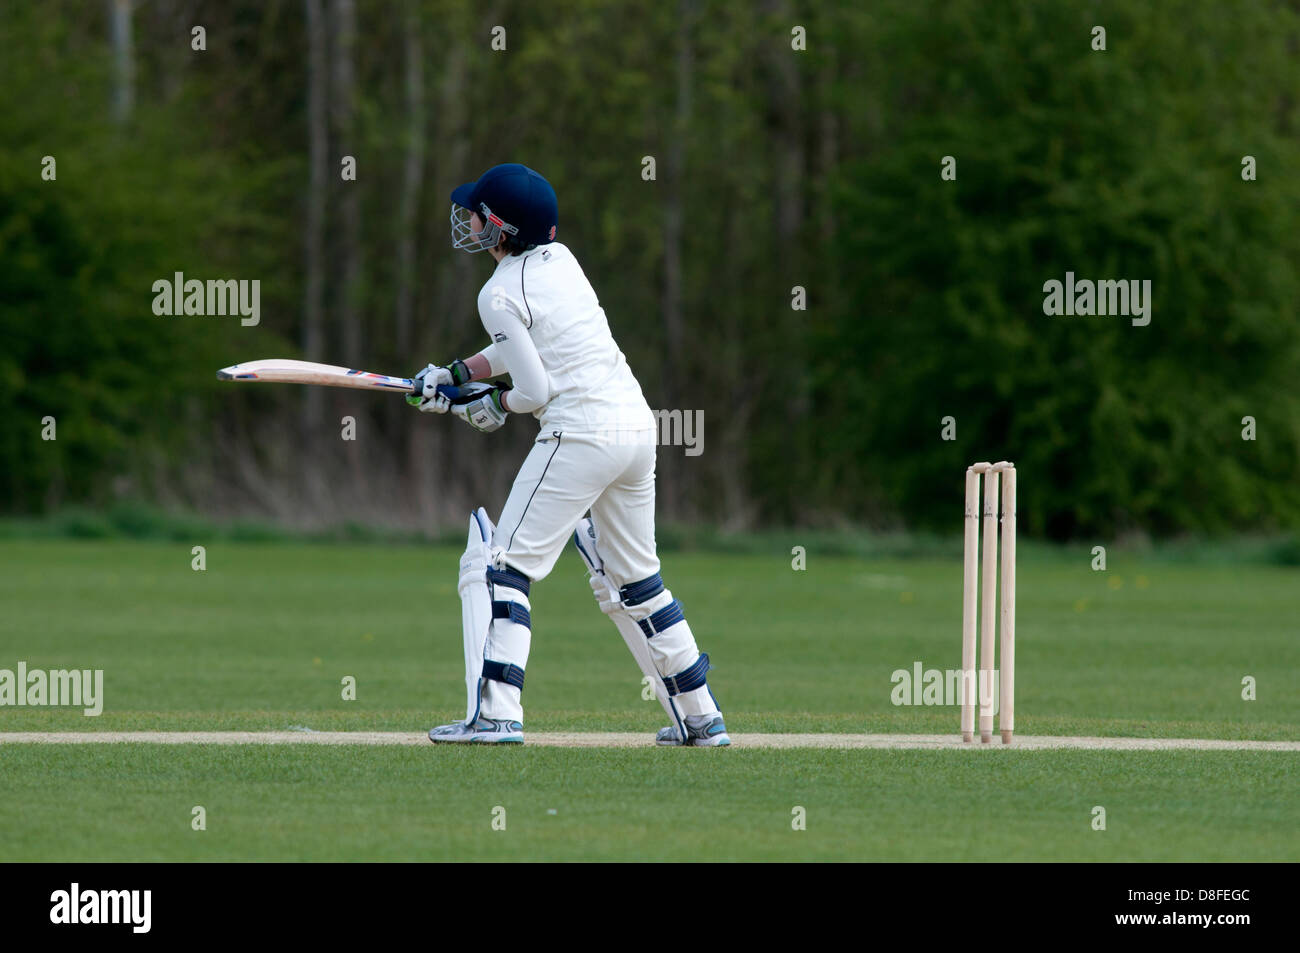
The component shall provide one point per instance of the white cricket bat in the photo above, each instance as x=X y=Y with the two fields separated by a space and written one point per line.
x=308 y=372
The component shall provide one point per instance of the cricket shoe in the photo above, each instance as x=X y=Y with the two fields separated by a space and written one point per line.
x=485 y=731
x=702 y=731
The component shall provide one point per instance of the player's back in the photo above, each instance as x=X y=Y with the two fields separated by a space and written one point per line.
x=591 y=387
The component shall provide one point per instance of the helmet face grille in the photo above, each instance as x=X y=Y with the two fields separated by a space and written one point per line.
x=463 y=235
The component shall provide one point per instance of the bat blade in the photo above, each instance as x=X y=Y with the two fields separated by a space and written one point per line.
x=284 y=371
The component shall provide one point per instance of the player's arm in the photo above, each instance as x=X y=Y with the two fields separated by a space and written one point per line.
x=513 y=346
x=486 y=363
x=511 y=352
x=529 y=386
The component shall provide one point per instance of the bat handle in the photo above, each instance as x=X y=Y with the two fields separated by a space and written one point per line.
x=459 y=394
x=445 y=390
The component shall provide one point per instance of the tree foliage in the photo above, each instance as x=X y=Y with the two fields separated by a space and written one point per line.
x=775 y=168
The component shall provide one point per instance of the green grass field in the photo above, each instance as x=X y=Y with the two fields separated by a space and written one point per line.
x=262 y=639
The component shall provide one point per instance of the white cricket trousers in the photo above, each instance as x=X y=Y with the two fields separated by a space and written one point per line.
x=566 y=474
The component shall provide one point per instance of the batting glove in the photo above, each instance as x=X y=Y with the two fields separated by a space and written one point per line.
x=427 y=382
x=484 y=412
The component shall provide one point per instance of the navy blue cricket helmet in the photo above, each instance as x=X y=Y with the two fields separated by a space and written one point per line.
x=511 y=199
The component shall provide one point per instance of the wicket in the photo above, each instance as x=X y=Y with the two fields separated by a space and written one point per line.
x=992 y=473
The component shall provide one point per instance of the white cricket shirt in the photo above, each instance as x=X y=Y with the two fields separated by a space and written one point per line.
x=550 y=334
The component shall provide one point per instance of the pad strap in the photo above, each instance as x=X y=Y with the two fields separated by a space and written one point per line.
x=506 y=672
x=690 y=679
x=635 y=593
x=512 y=611
x=669 y=615
x=508 y=577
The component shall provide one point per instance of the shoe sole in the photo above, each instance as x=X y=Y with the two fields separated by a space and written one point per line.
x=696 y=743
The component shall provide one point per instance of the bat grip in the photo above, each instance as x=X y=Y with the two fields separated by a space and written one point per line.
x=463 y=393
x=449 y=391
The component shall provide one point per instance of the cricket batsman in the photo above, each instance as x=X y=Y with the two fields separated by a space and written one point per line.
x=594 y=454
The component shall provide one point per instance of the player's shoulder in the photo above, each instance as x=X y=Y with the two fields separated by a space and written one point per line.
x=542 y=255
x=515 y=273
x=549 y=254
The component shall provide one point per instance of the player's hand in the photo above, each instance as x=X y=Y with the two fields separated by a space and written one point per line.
x=426 y=397
x=438 y=404
x=431 y=377
x=483 y=411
